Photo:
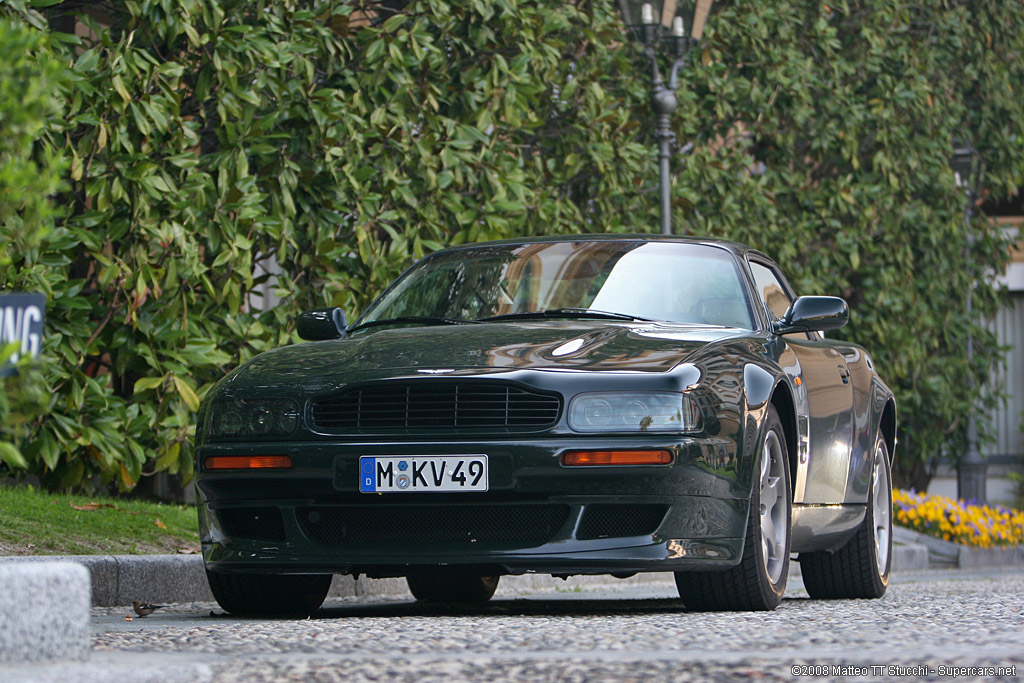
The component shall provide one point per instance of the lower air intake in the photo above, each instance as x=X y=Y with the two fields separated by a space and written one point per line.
x=613 y=521
x=512 y=524
x=256 y=524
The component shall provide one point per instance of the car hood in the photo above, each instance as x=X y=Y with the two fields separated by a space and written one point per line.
x=471 y=349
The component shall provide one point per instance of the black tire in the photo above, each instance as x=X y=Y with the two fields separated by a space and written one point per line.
x=269 y=595
x=451 y=586
x=860 y=569
x=758 y=582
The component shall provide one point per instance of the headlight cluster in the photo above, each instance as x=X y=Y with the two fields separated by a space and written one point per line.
x=252 y=418
x=634 y=411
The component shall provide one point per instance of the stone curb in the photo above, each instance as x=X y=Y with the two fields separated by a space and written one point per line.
x=112 y=667
x=121 y=579
x=909 y=557
x=44 y=612
x=953 y=555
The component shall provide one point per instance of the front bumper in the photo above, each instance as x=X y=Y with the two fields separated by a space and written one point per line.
x=537 y=516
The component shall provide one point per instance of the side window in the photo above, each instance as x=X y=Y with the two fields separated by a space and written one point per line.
x=771 y=291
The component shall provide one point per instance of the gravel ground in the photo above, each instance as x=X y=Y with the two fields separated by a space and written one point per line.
x=928 y=621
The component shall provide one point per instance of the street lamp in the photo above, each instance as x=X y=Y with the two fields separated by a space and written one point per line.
x=966 y=163
x=651 y=22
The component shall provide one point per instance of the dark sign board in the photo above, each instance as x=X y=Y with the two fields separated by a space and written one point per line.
x=21 y=323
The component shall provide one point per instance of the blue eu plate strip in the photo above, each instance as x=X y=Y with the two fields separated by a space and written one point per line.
x=367 y=477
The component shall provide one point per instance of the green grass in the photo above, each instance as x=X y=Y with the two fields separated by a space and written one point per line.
x=34 y=522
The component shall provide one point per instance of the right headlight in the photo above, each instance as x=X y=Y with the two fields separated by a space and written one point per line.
x=662 y=411
x=252 y=418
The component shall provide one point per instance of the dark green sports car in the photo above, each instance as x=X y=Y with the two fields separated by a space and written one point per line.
x=573 y=405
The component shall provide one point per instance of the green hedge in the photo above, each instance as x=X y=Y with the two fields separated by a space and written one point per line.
x=30 y=77
x=200 y=136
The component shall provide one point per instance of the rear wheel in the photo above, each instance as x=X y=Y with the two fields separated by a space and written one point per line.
x=860 y=569
x=451 y=586
x=759 y=580
x=269 y=595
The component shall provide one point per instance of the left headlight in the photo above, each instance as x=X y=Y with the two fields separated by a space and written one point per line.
x=634 y=411
x=252 y=418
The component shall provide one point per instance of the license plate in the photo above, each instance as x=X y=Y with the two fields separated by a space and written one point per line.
x=422 y=473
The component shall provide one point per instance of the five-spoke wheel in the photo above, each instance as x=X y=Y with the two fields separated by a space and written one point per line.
x=860 y=569
x=759 y=580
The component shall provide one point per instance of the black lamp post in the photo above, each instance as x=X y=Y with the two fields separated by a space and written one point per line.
x=652 y=22
x=971 y=469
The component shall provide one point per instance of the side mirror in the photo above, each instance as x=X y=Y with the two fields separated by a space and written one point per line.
x=814 y=314
x=322 y=323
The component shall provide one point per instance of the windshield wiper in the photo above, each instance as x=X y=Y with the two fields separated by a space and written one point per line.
x=422 y=320
x=566 y=313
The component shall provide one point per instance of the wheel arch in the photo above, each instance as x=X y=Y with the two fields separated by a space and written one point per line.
x=764 y=388
x=887 y=427
x=782 y=399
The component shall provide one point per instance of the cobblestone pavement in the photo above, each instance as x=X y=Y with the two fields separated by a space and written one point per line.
x=925 y=622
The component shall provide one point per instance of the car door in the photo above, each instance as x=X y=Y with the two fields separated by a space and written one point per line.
x=824 y=381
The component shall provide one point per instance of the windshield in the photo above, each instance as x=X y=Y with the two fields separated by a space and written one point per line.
x=674 y=282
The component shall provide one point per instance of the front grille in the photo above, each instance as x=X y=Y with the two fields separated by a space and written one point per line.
x=428 y=405
x=612 y=521
x=257 y=524
x=513 y=524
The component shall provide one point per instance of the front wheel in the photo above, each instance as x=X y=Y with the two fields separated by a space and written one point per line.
x=451 y=586
x=860 y=569
x=759 y=580
x=269 y=595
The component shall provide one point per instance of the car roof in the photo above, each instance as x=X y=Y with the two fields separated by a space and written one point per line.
x=734 y=247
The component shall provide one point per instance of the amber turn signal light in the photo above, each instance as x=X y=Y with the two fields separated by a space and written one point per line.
x=647 y=457
x=248 y=462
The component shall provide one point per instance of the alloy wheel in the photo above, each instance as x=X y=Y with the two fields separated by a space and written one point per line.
x=774 y=527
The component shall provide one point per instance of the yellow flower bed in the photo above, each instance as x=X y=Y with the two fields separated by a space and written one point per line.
x=954 y=520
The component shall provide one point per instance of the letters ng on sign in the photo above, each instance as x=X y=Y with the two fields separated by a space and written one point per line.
x=21 y=322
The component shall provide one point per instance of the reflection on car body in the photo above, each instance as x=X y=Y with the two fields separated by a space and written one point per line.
x=582 y=405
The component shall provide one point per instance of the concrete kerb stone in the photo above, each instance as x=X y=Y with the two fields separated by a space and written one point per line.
x=993 y=557
x=112 y=667
x=909 y=557
x=102 y=570
x=161 y=578
x=44 y=612
x=122 y=579
x=945 y=554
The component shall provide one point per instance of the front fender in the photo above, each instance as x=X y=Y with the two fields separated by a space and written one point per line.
x=758 y=386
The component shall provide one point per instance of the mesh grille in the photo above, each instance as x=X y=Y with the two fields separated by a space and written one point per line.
x=433 y=523
x=434 y=405
x=258 y=524
x=612 y=521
